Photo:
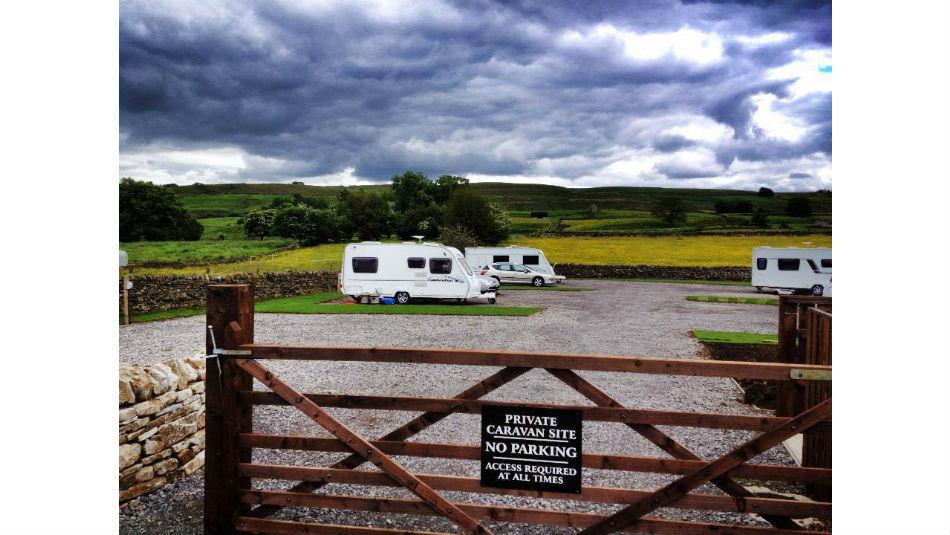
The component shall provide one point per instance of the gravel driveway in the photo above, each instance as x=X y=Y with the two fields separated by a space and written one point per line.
x=618 y=318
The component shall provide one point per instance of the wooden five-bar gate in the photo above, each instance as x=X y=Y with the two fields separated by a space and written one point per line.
x=232 y=504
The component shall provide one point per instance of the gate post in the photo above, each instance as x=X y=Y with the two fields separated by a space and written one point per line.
x=230 y=318
x=788 y=393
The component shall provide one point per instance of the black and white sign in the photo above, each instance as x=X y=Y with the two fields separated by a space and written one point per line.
x=529 y=448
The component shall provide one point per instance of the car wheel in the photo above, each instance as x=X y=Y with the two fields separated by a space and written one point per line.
x=817 y=290
x=491 y=300
x=537 y=281
x=402 y=298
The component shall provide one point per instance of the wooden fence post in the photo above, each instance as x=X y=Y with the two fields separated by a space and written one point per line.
x=787 y=395
x=230 y=316
x=816 y=443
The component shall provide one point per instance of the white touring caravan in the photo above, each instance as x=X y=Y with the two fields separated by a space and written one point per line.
x=406 y=271
x=479 y=257
x=792 y=268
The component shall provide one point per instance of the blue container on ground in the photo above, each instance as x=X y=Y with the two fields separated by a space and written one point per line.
x=387 y=300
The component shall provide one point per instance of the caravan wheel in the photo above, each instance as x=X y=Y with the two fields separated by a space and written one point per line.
x=402 y=298
x=817 y=290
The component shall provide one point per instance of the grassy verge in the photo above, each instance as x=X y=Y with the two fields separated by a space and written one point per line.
x=684 y=281
x=732 y=337
x=317 y=304
x=726 y=299
x=163 y=315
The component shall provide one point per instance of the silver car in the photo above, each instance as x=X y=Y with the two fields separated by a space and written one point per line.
x=507 y=272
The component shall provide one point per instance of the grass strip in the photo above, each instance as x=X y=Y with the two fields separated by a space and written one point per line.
x=734 y=337
x=727 y=299
x=684 y=281
x=159 y=315
x=318 y=304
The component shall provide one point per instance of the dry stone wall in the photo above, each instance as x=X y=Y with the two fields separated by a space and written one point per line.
x=161 y=424
x=722 y=273
x=150 y=293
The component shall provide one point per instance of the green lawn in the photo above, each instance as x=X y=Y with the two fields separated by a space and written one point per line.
x=732 y=337
x=739 y=300
x=163 y=315
x=317 y=304
x=686 y=281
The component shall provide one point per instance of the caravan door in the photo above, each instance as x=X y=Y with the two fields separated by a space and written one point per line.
x=442 y=283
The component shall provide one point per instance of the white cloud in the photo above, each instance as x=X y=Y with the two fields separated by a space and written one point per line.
x=807 y=72
x=774 y=123
x=686 y=44
x=755 y=41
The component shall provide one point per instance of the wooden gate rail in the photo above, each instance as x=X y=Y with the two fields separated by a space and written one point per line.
x=232 y=504
x=594 y=414
x=624 y=463
x=712 y=502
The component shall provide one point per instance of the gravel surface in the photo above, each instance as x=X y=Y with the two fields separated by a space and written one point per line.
x=618 y=318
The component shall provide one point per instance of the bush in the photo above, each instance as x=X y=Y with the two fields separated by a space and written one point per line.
x=760 y=219
x=153 y=213
x=766 y=192
x=670 y=210
x=539 y=215
x=259 y=222
x=798 y=207
x=309 y=226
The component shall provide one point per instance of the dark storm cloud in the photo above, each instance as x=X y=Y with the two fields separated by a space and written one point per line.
x=563 y=89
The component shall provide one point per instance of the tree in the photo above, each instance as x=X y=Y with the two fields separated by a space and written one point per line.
x=154 y=213
x=670 y=210
x=467 y=209
x=313 y=202
x=766 y=192
x=310 y=226
x=415 y=204
x=259 y=222
x=364 y=213
x=457 y=236
x=743 y=207
x=798 y=207
x=760 y=219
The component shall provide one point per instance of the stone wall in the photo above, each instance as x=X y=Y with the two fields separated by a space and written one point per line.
x=585 y=271
x=150 y=293
x=161 y=424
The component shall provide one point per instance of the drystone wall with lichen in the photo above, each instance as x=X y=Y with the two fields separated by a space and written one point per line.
x=161 y=424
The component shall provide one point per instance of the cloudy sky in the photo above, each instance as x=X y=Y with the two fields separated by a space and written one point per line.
x=646 y=93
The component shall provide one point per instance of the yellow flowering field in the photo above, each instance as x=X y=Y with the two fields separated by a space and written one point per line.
x=657 y=251
x=666 y=250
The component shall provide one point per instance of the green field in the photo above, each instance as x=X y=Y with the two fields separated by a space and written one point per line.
x=737 y=300
x=626 y=250
x=235 y=199
x=733 y=337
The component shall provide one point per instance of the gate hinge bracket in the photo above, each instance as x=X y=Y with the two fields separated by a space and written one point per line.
x=810 y=375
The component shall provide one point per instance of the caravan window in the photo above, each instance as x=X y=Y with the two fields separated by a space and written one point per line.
x=826 y=262
x=499 y=258
x=788 y=264
x=440 y=265
x=761 y=263
x=813 y=266
x=365 y=264
x=531 y=260
x=416 y=263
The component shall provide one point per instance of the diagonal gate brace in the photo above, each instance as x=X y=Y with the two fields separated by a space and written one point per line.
x=665 y=442
x=408 y=430
x=363 y=447
x=629 y=515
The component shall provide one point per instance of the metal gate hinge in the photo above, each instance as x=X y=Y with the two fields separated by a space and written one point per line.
x=232 y=352
x=812 y=375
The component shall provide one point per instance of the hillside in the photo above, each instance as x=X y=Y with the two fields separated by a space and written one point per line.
x=223 y=200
